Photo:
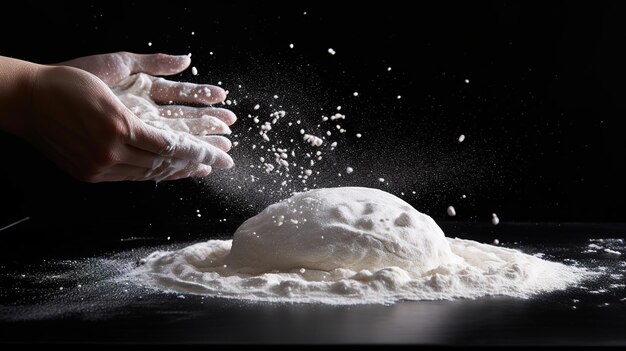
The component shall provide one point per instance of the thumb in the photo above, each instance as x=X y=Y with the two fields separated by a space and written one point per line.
x=158 y=64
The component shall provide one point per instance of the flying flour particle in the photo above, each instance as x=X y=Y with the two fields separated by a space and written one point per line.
x=451 y=211
x=313 y=140
x=494 y=219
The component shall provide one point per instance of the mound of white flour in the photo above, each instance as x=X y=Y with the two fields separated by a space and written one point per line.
x=347 y=246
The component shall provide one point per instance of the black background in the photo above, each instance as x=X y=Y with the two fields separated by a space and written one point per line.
x=543 y=112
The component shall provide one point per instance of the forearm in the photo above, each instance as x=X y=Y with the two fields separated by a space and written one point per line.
x=16 y=82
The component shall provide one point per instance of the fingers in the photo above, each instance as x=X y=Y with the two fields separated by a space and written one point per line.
x=204 y=125
x=180 y=111
x=140 y=158
x=122 y=172
x=183 y=118
x=166 y=91
x=157 y=64
x=178 y=145
x=191 y=172
x=178 y=167
x=220 y=142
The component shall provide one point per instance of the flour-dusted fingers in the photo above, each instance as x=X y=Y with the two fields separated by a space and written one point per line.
x=122 y=172
x=205 y=125
x=192 y=171
x=165 y=91
x=180 y=111
x=156 y=64
x=169 y=167
x=134 y=156
x=177 y=144
x=218 y=141
x=114 y=67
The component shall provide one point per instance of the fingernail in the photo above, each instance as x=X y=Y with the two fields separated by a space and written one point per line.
x=232 y=118
x=203 y=171
x=206 y=170
x=227 y=162
x=223 y=144
x=220 y=126
x=227 y=145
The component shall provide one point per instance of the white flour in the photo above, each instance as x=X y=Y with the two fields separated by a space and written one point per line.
x=349 y=246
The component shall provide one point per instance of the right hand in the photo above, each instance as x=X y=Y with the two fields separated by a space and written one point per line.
x=77 y=120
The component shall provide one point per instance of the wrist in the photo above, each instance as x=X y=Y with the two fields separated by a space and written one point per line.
x=18 y=80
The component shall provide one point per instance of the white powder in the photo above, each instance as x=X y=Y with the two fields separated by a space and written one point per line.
x=313 y=140
x=349 y=246
x=494 y=219
x=451 y=211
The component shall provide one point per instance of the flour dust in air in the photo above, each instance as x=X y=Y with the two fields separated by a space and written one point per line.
x=349 y=245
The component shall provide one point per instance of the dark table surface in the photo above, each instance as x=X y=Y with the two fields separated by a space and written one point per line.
x=59 y=285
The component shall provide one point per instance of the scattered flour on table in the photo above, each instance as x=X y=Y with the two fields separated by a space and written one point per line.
x=349 y=245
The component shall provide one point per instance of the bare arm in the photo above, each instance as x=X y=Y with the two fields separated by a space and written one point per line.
x=16 y=81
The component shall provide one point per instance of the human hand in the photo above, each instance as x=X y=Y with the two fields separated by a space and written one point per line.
x=79 y=122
